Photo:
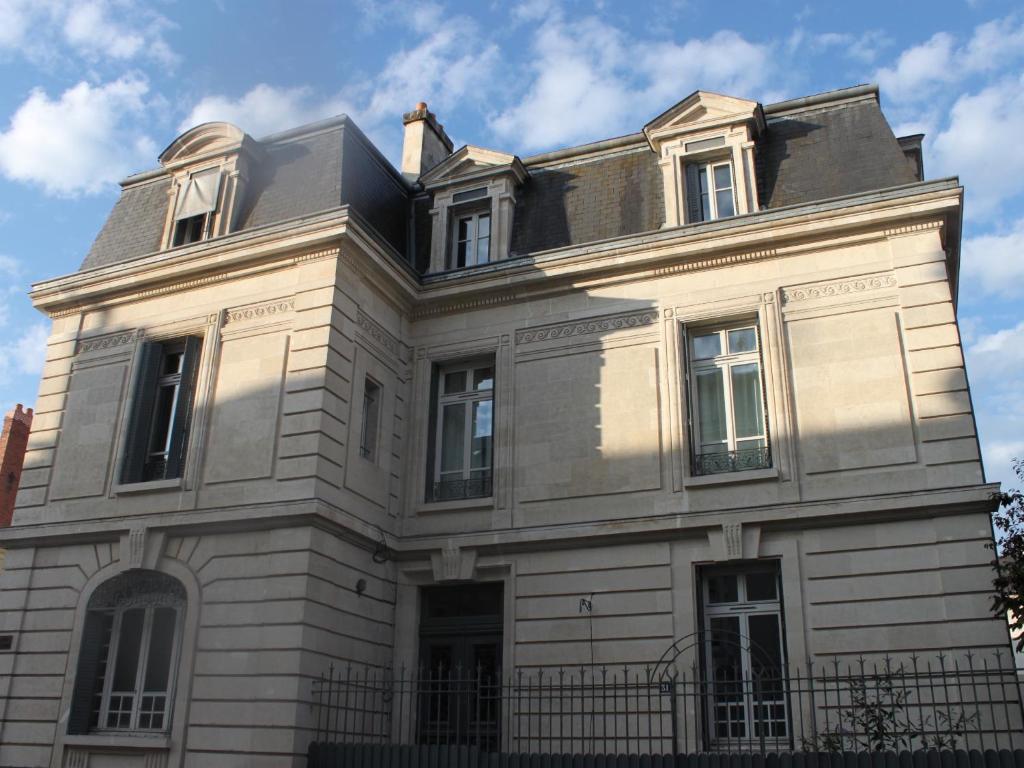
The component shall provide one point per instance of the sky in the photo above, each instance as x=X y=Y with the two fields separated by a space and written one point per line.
x=93 y=90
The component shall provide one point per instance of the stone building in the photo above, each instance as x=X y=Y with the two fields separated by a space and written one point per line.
x=300 y=408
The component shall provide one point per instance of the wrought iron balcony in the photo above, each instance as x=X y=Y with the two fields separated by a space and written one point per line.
x=477 y=487
x=732 y=461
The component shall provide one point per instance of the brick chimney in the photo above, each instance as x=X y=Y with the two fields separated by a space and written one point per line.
x=13 y=442
x=425 y=145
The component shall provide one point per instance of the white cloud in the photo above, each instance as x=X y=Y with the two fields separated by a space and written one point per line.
x=450 y=67
x=863 y=47
x=24 y=354
x=264 y=109
x=994 y=263
x=97 y=30
x=982 y=143
x=998 y=354
x=921 y=69
x=81 y=142
x=590 y=80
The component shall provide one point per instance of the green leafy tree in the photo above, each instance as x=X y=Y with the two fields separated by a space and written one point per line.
x=1009 y=562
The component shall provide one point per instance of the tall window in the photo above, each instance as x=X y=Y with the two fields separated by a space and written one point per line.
x=727 y=401
x=464 y=432
x=161 y=412
x=472 y=240
x=710 y=191
x=744 y=653
x=371 y=420
x=127 y=666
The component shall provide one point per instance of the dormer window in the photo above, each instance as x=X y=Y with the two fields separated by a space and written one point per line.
x=710 y=192
x=197 y=200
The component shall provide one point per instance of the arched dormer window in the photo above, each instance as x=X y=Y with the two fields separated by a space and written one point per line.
x=128 y=662
x=210 y=166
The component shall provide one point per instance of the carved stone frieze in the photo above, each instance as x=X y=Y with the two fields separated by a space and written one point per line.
x=837 y=288
x=109 y=341
x=376 y=332
x=268 y=309
x=583 y=327
x=732 y=533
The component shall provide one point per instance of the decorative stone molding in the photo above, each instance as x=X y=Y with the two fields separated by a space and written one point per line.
x=269 y=309
x=909 y=229
x=837 y=288
x=580 y=328
x=453 y=563
x=141 y=548
x=315 y=255
x=376 y=332
x=110 y=341
x=136 y=547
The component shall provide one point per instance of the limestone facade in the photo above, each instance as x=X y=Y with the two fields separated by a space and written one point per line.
x=298 y=545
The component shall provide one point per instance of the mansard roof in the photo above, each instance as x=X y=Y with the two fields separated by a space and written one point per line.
x=807 y=150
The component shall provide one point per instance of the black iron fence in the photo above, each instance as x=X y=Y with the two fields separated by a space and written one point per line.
x=732 y=461
x=969 y=702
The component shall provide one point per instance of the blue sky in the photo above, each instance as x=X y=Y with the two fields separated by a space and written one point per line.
x=93 y=90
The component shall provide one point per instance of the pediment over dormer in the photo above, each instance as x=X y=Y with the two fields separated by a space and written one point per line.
x=473 y=163
x=704 y=111
x=204 y=140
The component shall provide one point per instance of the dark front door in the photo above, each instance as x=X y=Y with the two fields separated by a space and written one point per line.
x=460 y=665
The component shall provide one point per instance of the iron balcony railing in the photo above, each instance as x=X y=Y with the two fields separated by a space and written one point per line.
x=479 y=486
x=732 y=461
x=968 y=702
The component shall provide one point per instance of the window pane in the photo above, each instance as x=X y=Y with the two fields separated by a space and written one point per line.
x=765 y=645
x=761 y=585
x=371 y=410
x=130 y=640
x=746 y=395
x=481 y=445
x=709 y=345
x=455 y=382
x=464 y=225
x=742 y=340
x=723 y=176
x=460 y=254
x=484 y=226
x=453 y=433
x=161 y=646
x=722 y=588
x=483 y=250
x=483 y=378
x=172 y=364
x=711 y=407
x=724 y=204
x=705 y=200
x=162 y=417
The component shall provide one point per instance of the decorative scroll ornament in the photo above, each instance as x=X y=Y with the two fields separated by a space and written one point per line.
x=838 y=288
x=109 y=341
x=598 y=325
x=141 y=588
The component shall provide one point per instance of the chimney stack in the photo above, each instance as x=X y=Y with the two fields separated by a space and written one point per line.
x=425 y=145
x=13 y=443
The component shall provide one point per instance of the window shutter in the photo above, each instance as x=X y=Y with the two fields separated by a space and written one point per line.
x=687 y=396
x=183 y=411
x=198 y=195
x=693 y=213
x=140 y=423
x=87 y=679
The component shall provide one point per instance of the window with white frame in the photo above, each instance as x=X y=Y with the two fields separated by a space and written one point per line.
x=728 y=428
x=710 y=191
x=744 y=653
x=371 y=420
x=464 y=432
x=471 y=239
x=197 y=201
x=127 y=665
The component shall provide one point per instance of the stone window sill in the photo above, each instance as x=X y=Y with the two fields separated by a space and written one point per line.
x=120 y=741
x=725 y=478
x=173 y=484
x=455 y=505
